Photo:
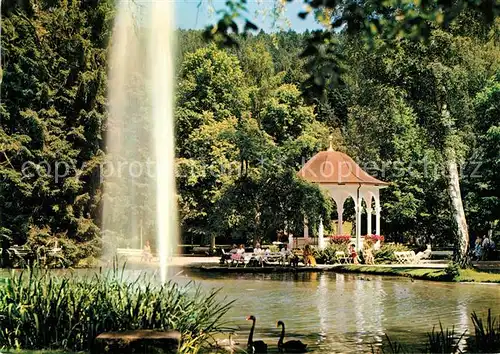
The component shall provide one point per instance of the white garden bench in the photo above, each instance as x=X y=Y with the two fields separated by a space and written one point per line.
x=341 y=257
x=129 y=253
x=406 y=257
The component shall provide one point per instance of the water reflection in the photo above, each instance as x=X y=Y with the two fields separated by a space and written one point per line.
x=346 y=313
x=343 y=313
x=322 y=298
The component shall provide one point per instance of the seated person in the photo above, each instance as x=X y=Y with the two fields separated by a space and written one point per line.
x=368 y=255
x=308 y=257
x=260 y=254
x=285 y=254
x=146 y=252
x=239 y=255
x=227 y=256
x=297 y=253
x=353 y=254
x=267 y=253
x=294 y=260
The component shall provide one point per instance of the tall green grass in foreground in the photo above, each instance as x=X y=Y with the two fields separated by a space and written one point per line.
x=485 y=339
x=39 y=310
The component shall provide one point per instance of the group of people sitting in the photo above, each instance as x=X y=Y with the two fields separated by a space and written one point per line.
x=237 y=254
x=261 y=255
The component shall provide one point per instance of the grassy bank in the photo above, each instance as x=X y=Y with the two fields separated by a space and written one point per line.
x=472 y=275
x=464 y=275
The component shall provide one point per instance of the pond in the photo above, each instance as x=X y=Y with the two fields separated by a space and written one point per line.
x=343 y=313
x=348 y=313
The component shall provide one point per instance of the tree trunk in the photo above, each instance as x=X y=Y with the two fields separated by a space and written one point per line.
x=212 y=244
x=457 y=207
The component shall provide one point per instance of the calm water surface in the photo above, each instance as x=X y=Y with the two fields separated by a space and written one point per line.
x=348 y=313
x=344 y=313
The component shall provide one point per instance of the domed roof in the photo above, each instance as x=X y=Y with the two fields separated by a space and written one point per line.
x=335 y=167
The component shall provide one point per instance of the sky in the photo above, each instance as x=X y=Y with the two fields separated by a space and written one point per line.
x=196 y=14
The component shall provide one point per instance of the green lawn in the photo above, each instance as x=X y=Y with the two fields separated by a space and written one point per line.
x=466 y=275
x=472 y=275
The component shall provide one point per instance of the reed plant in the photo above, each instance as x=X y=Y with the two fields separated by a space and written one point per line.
x=390 y=348
x=444 y=340
x=486 y=337
x=40 y=310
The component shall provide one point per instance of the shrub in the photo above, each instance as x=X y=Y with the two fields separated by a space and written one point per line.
x=274 y=248
x=327 y=255
x=41 y=311
x=386 y=253
x=452 y=270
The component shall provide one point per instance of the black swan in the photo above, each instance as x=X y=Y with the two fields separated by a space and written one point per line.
x=291 y=346
x=258 y=346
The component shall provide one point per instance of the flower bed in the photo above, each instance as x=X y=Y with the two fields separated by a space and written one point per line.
x=340 y=239
x=374 y=238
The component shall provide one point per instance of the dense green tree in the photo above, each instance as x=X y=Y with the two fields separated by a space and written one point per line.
x=482 y=187
x=210 y=85
x=52 y=115
x=284 y=115
x=384 y=19
x=245 y=124
x=232 y=161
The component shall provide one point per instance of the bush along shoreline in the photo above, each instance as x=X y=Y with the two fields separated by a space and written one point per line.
x=39 y=310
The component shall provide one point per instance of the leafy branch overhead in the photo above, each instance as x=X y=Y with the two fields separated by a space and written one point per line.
x=385 y=19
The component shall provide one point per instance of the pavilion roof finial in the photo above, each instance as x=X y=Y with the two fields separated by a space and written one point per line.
x=331 y=139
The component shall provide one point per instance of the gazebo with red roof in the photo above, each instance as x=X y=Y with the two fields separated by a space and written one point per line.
x=337 y=173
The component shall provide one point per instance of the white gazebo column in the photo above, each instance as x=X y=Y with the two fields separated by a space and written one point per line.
x=340 y=211
x=321 y=240
x=369 y=211
x=290 y=242
x=378 y=209
x=358 y=224
x=306 y=230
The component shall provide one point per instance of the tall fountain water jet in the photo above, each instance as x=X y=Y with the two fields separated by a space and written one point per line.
x=139 y=200
x=162 y=78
